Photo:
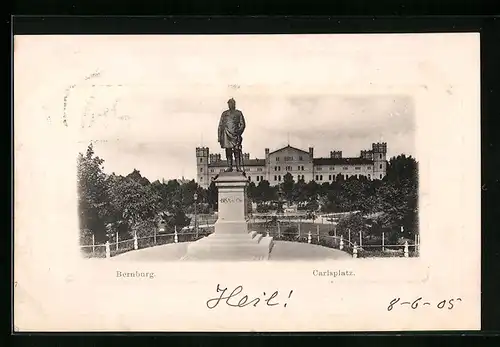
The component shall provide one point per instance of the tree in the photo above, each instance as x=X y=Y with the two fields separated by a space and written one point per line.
x=252 y=191
x=402 y=168
x=136 y=176
x=298 y=193
x=311 y=191
x=212 y=196
x=138 y=204
x=287 y=186
x=93 y=202
x=355 y=223
x=265 y=192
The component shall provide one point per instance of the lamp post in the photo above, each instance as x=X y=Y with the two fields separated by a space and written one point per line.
x=195 y=196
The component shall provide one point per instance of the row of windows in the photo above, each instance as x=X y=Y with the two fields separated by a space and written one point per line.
x=318 y=177
x=286 y=158
x=289 y=168
x=300 y=168
x=333 y=177
x=257 y=178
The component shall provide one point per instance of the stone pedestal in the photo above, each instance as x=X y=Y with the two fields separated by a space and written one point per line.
x=231 y=240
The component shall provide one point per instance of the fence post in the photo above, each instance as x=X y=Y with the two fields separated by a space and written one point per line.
x=93 y=244
x=299 y=230
x=279 y=230
x=317 y=229
x=383 y=242
x=136 y=246
x=349 y=230
x=309 y=237
x=176 y=237
x=360 y=239
x=341 y=242
x=415 y=247
x=108 y=251
x=355 y=251
x=116 y=240
x=154 y=236
x=406 y=249
x=335 y=231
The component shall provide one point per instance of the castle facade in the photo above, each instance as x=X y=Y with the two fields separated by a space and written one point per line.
x=301 y=164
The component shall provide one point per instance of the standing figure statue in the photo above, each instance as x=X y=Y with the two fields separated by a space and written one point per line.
x=231 y=127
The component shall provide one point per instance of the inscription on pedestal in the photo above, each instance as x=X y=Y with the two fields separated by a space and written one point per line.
x=230 y=200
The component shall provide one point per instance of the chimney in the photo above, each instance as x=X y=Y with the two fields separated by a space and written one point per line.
x=267 y=153
x=311 y=152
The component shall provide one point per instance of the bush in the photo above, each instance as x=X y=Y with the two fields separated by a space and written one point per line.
x=262 y=208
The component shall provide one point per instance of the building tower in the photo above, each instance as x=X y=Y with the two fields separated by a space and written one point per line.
x=202 y=155
x=379 y=152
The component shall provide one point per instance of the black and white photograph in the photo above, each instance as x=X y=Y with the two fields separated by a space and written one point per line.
x=312 y=182
x=282 y=178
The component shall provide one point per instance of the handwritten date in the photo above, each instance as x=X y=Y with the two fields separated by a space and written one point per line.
x=232 y=298
x=445 y=303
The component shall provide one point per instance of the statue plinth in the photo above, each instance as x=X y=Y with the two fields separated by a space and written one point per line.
x=231 y=239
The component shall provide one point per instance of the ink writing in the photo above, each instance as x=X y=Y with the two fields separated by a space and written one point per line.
x=420 y=302
x=236 y=299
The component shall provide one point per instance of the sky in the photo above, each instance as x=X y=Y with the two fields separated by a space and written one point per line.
x=147 y=102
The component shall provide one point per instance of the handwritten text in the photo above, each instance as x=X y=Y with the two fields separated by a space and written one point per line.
x=234 y=300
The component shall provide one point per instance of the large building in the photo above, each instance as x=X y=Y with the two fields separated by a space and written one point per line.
x=299 y=163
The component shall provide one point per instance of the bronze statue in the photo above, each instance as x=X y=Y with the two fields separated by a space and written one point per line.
x=231 y=127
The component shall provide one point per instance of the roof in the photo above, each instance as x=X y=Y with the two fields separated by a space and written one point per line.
x=249 y=162
x=288 y=146
x=342 y=161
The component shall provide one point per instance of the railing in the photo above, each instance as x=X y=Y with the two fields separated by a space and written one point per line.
x=305 y=233
x=319 y=234
x=111 y=249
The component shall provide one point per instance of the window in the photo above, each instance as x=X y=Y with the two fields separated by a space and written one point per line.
x=332 y=168
x=345 y=168
x=300 y=157
x=369 y=167
x=369 y=175
x=211 y=170
x=201 y=178
x=302 y=168
x=329 y=177
x=261 y=178
x=221 y=170
x=277 y=158
x=319 y=168
x=381 y=176
x=259 y=169
x=279 y=168
x=201 y=160
x=380 y=165
x=275 y=177
x=288 y=158
x=275 y=168
x=321 y=177
x=279 y=177
x=258 y=178
x=357 y=168
x=317 y=178
x=249 y=178
x=201 y=169
x=380 y=156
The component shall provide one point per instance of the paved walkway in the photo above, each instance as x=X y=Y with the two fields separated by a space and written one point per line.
x=282 y=250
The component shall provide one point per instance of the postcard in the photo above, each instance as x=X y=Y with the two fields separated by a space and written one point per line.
x=247 y=183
